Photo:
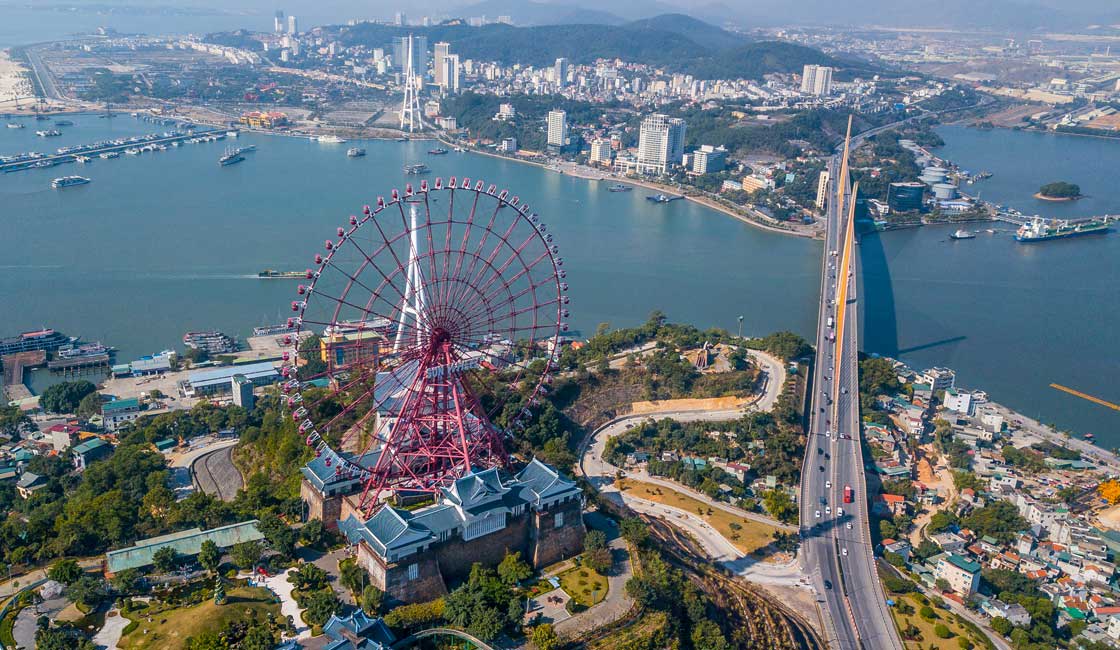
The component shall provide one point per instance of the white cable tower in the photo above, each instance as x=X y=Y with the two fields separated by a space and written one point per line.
x=410 y=110
x=412 y=303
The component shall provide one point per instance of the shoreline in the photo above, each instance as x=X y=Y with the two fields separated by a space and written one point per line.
x=1057 y=199
x=590 y=174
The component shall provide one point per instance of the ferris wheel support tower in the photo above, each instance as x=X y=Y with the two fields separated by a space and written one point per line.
x=411 y=117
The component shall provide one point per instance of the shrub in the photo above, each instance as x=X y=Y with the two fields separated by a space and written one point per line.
x=416 y=614
x=942 y=631
x=130 y=628
x=927 y=613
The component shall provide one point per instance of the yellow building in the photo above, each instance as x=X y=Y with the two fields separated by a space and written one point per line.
x=264 y=120
x=342 y=349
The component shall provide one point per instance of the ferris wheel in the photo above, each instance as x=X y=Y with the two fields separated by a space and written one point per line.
x=423 y=320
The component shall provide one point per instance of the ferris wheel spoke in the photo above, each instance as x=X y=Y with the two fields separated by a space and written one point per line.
x=499 y=273
x=386 y=280
x=482 y=244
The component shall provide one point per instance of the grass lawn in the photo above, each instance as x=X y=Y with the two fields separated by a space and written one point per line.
x=170 y=628
x=926 y=638
x=585 y=586
x=750 y=537
x=642 y=634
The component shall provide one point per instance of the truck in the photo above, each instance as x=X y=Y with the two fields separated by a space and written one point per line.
x=830 y=321
x=847 y=494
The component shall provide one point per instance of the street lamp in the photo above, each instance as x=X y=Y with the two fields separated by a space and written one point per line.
x=740 y=327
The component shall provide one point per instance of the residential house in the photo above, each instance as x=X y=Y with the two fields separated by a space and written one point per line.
x=89 y=451
x=963 y=575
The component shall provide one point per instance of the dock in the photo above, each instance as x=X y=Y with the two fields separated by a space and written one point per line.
x=15 y=365
x=58 y=159
x=77 y=365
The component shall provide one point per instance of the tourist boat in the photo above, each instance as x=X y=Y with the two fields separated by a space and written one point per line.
x=212 y=342
x=14 y=125
x=402 y=140
x=109 y=154
x=63 y=123
x=269 y=274
x=963 y=234
x=231 y=157
x=267 y=330
x=52 y=133
x=330 y=139
x=355 y=152
x=438 y=151
x=83 y=159
x=1040 y=229
x=619 y=187
x=74 y=350
x=68 y=181
x=417 y=168
x=661 y=198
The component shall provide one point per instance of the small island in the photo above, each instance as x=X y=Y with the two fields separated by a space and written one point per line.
x=1059 y=191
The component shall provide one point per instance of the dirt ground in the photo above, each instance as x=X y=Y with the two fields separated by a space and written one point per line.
x=692 y=404
x=1110 y=517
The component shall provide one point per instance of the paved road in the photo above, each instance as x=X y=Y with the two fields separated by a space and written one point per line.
x=213 y=471
x=617 y=601
x=840 y=559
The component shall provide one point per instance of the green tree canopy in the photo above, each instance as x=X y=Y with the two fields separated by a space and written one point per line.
x=66 y=396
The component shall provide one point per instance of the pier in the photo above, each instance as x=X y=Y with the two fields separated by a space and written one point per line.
x=14 y=367
x=58 y=159
x=76 y=365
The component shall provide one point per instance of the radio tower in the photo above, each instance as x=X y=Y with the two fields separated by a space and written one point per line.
x=410 y=110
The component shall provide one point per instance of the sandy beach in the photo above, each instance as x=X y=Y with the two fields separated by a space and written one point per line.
x=14 y=82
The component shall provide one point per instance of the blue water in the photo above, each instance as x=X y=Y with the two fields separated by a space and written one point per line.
x=169 y=241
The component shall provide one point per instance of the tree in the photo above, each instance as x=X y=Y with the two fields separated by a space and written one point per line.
x=280 y=537
x=13 y=421
x=598 y=559
x=371 y=600
x=942 y=631
x=780 y=505
x=544 y=637
x=942 y=584
x=65 y=571
x=512 y=569
x=89 y=406
x=246 y=554
x=964 y=643
x=594 y=539
x=308 y=578
x=209 y=556
x=166 y=559
x=49 y=639
x=313 y=533
x=219 y=591
x=128 y=582
x=634 y=530
x=706 y=635
x=319 y=606
x=87 y=591
x=1060 y=190
x=66 y=396
x=352 y=576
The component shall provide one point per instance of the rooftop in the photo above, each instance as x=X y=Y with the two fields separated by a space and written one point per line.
x=132 y=403
x=963 y=564
x=185 y=542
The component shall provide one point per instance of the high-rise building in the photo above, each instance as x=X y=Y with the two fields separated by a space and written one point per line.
x=399 y=19
x=292 y=29
x=708 y=159
x=419 y=54
x=560 y=70
x=601 y=151
x=660 y=144
x=557 y=128
x=816 y=80
x=439 y=52
x=505 y=20
x=450 y=73
x=278 y=22
x=822 y=189
x=242 y=390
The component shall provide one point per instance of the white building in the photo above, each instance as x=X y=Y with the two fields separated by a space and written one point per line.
x=822 y=190
x=708 y=159
x=816 y=80
x=940 y=379
x=292 y=30
x=508 y=145
x=557 y=128
x=449 y=73
x=962 y=575
x=660 y=144
x=439 y=53
x=278 y=22
x=601 y=151
x=506 y=112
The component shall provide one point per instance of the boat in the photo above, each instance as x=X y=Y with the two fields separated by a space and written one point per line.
x=63 y=123
x=438 y=151
x=232 y=134
x=401 y=140
x=619 y=187
x=246 y=149
x=269 y=274
x=662 y=198
x=231 y=157
x=14 y=125
x=416 y=168
x=1040 y=229
x=355 y=152
x=330 y=139
x=75 y=350
x=963 y=234
x=109 y=154
x=212 y=342
x=52 y=133
x=42 y=164
x=266 y=330
x=68 y=181
x=82 y=159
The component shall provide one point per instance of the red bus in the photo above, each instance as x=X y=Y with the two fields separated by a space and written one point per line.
x=847 y=494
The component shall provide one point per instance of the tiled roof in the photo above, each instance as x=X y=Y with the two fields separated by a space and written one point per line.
x=185 y=542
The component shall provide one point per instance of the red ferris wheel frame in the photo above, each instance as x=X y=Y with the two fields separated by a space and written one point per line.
x=467 y=295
